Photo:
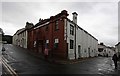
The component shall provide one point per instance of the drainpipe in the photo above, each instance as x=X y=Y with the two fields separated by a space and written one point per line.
x=75 y=41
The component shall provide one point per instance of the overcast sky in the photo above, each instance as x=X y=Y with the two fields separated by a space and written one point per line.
x=98 y=18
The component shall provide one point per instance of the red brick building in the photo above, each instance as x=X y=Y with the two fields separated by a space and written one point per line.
x=49 y=33
x=63 y=37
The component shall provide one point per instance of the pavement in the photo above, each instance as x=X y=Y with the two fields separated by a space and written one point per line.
x=61 y=61
x=58 y=60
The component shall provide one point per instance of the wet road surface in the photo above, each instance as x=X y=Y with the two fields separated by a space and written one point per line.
x=25 y=63
x=0 y=58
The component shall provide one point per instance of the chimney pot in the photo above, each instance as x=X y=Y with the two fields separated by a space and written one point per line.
x=75 y=17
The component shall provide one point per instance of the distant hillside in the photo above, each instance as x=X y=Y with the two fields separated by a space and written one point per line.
x=7 y=38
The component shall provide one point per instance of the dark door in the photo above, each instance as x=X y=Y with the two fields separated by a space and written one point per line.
x=40 y=46
x=79 y=49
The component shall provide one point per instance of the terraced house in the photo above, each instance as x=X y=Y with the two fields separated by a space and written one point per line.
x=63 y=37
x=104 y=50
x=117 y=48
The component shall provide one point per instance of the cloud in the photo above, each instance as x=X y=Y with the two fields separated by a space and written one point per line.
x=98 y=18
x=101 y=22
x=9 y=28
x=59 y=0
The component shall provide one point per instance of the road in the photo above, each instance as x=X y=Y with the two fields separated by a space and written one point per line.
x=24 y=63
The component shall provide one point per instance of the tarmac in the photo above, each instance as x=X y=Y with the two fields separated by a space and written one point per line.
x=59 y=60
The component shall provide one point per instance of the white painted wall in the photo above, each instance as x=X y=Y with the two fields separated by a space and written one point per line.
x=20 y=39
x=117 y=49
x=15 y=39
x=71 y=52
x=84 y=40
x=108 y=51
x=23 y=39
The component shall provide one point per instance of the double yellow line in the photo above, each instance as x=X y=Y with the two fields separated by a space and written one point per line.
x=8 y=67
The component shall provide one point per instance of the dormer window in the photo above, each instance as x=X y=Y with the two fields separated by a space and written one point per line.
x=71 y=29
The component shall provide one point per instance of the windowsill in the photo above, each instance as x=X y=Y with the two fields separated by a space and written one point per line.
x=71 y=35
x=56 y=29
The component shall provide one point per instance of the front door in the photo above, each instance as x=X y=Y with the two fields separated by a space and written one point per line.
x=40 y=46
x=79 y=49
x=89 y=51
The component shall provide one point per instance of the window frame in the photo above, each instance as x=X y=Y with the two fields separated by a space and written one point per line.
x=71 y=29
x=47 y=43
x=56 y=43
x=56 y=25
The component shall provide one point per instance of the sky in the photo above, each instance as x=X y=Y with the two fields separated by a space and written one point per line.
x=98 y=17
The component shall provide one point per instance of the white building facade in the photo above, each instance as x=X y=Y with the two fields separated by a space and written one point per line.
x=81 y=44
x=109 y=51
x=20 y=38
x=117 y=49
x=105 y=50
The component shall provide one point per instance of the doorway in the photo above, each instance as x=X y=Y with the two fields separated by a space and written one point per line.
x=79 y=49
x=89 y=52
x=40 y=46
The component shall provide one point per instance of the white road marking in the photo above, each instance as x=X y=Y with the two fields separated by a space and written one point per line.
x=9 y=68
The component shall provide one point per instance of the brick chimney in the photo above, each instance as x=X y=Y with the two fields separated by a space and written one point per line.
x=64 y=12
x=29 y=25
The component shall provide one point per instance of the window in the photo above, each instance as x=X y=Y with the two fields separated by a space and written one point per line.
x=71 y=44
x=100 y=49
x=34 y=43
x=25 y=33
x=56 y=43
x=75 y=17
x=71 y=29
x=56 y=25
x=47 y=43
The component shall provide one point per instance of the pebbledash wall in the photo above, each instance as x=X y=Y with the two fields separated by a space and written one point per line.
x=63 y=37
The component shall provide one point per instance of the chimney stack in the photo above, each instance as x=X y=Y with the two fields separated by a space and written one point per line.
x=75 y=17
